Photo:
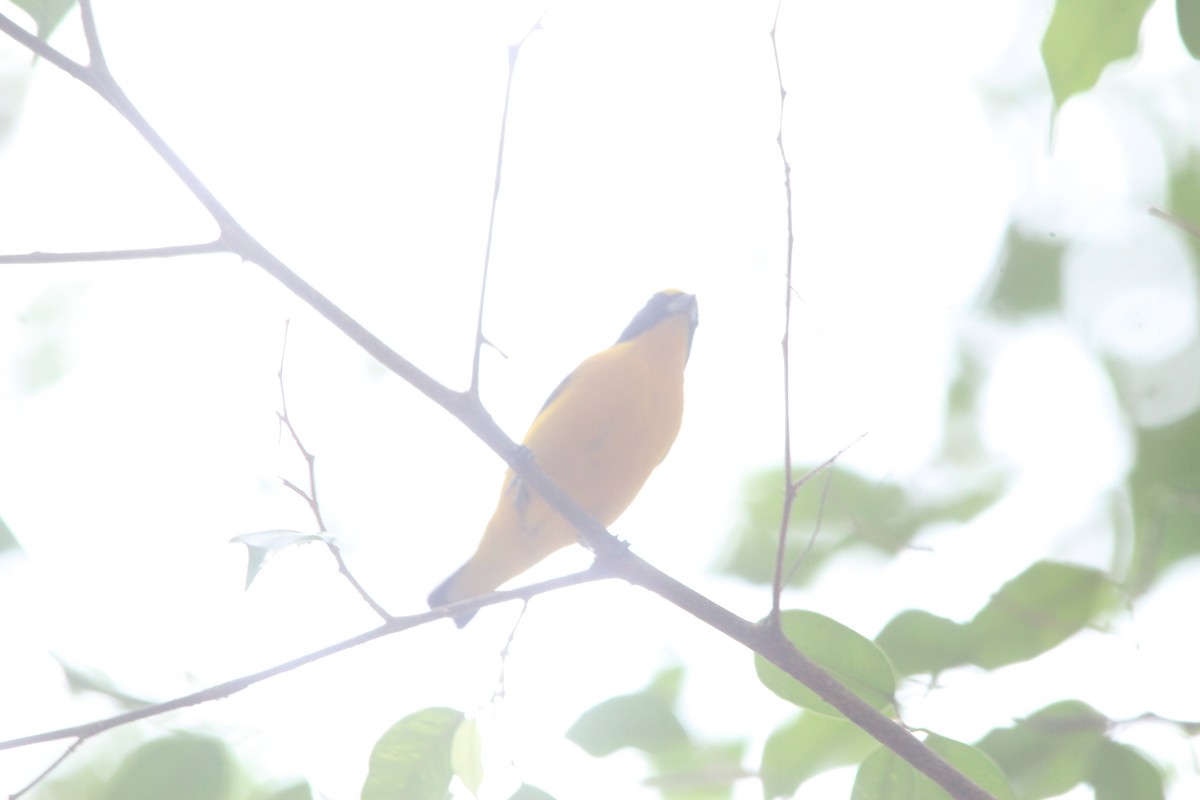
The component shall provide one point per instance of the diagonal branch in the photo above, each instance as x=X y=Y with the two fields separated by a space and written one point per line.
x=231 y=687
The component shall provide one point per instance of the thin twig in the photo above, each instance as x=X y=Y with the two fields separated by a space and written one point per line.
x=221 y=690
x=170 y=251
x=812 y=473
x=96 y=60
x=43 y=50
x=512 y=635
x=1190 y=228
x=789 y=494
x=46 y=772
x=514 y=52
x=310 y=494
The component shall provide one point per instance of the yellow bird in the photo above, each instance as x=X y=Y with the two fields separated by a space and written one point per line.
x=598 y=437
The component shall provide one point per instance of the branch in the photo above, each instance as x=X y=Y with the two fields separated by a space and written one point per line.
x=231 y=687
x=514 y=52
x=1190 y=228
x=170 y=251
x=790 y=487
x=310 y=494
x=769 y=642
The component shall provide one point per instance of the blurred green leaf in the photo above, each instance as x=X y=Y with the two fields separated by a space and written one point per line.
x=83 y=679
x=847 y=655
x=1049 y=752
x=886 y=776
x=645 y=720
x=178 y=767
x=466 y=755
x=1165 y=493
x=1084 y=37
x=1120 y=772
x=527 y=792
x=1029 y=276
x=846 y=510
x=8 y=541
x=42 y=357
x=1183 y=195
x=46 y=13
x=1036 y=611
x=917 y=642
x=412 y=759
x=295 y=791
x=808 y=746
x=699 y=773
x=1187 y=14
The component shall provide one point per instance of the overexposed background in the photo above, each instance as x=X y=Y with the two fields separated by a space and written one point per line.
x=138 y=401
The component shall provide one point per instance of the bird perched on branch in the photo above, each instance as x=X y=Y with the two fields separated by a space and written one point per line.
x=598 y=437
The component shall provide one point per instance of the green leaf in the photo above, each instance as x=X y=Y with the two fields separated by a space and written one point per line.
x=528 y=792
x=411 y=761
x=85 y=679
x=46 y=13
x=1165 y=492
x=295 y=791
x=886 y=776
x=1051 y=751
x=845 y=510
x=42 y=359
x=808 y=746
x=1084 y=37
x=917 y=642
x=848 y=656
x=645 y=720
x=1183 y=194
x=699 y=773
x=1187 y=13
x=855 y=510
x=262 y=546
x=1029 y=276
x=1120 y=772
x=1036 y=611
x=8 y=540
x=179 y=767
x=466 y=755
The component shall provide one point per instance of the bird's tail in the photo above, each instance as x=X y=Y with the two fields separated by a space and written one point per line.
x=456 y=587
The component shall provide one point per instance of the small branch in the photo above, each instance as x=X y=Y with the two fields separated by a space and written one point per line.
x=46 y=772
x=501 y=681
x=816 y=529
x=795 y=487
x=41 y=49
x=310 y=495
x=231 y=687
x=96 y=60
x=170 y=251
x=790 y=487
x=1190 y=228
x=514 y=52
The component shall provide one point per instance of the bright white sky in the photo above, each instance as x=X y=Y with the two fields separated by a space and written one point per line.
x=641 y=155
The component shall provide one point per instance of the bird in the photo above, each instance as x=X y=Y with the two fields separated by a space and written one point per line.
x=598 y=437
